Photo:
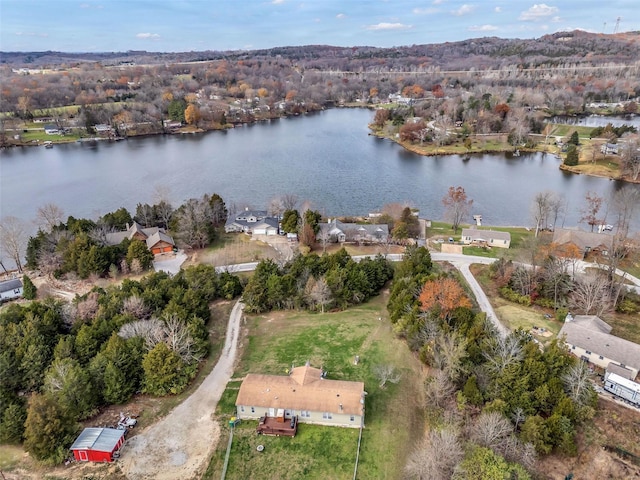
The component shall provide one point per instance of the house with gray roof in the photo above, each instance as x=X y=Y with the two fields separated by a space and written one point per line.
x=10 y=289
x=486 y=238
x=341 y=232
x=247 y=220
x=587 y=242
x=589 y=338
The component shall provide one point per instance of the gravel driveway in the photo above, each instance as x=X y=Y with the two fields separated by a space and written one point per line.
x=179 y=446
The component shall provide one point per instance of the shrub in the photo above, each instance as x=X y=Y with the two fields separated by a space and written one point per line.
x=509 y=294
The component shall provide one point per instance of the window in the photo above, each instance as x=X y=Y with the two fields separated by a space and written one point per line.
x=587 y=352
x=327 y=416
x=242 y=409
x=573 y=347
x=305 y=413
x=601 y=357
x=352 y=418
x=253 y=410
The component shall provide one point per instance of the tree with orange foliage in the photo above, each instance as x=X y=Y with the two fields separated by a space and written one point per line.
x=456 y=206
x=192 y=115
x=291 y=95
x=443 y=294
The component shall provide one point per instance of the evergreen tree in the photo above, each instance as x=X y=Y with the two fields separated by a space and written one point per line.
x=49 y=429
x=572 y=156
x=29 y=290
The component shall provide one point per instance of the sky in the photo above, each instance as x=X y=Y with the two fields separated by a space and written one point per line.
x=194 y=25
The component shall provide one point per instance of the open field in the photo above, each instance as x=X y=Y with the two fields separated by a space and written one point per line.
x=232 y=248
x=393 y=418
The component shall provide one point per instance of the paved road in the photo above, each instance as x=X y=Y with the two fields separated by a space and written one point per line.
x=180 y=445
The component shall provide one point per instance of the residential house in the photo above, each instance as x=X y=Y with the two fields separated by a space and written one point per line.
x=10 y=289
x=589 y=338
x=252 y=221
x=155 y=238
x=304 y=393
x=486 y=238
x=609 y=149
x=586 y=242
x=103 y=129
x=341 y=232
x=98 y=445
x=51 y=129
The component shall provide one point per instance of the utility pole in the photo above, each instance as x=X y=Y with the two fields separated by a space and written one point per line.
x=615 y=29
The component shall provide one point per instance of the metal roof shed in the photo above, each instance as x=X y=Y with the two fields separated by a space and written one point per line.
x=97 y=444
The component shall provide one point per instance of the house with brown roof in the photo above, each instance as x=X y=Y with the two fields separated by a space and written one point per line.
x=488 y=238
x=306 y=394
x=586 y=242
x=154 y=237
x=589 y=338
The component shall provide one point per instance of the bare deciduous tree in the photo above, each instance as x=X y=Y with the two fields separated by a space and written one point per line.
x=506 y=351
x=541 y=208
x=491 y=430
x=436 y=457
x=134 y=306
x=318 y=292
x=591 y=295
x=438 y=389
x=449 y=352
x=13 y=237
x=49 y=216
x=577 y=383
x=386 y=373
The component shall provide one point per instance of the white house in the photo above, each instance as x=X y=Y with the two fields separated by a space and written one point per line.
x=252 y=221
x=588 y=337
x=490 y=238
x=10 y=289
x=304 y=393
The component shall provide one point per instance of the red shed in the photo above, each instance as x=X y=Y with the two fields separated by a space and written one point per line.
x=97 y=444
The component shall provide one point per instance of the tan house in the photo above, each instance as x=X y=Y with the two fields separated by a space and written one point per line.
x=586 y=242
x=588 y=337
x=304 y=393
x=486 y=238
x=156 y=239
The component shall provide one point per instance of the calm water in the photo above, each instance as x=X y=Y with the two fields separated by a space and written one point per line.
x=327 y=158
x=600 y=121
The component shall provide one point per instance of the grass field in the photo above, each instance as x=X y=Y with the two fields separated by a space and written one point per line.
x=393 y=418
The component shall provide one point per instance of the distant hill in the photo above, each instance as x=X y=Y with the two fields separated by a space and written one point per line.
x=488 y=52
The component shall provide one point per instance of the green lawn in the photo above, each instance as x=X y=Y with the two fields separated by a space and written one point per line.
x=393 y=418
x=481 y=252
x=564 y=130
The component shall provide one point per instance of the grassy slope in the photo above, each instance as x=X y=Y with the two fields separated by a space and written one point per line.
x=393 y=415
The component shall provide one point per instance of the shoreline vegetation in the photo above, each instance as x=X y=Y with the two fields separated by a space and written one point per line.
x=608 y=166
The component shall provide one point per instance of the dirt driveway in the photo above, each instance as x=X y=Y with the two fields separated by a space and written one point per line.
x=179 y=446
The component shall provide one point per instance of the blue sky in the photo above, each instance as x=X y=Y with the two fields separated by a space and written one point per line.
x=184 y=25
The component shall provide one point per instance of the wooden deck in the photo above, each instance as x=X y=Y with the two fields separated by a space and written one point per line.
x=278 y=427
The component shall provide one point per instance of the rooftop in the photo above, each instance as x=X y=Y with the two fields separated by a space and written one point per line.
x=303 y=389
x=100 y=439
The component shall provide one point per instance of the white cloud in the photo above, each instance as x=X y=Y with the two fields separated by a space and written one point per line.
x=497 y=9
x=151 y=36
x=437 y=2
x=482 y=28
x=87 y=5
x=538 y=12
x=277 y=2
x=340 y=16
x=425 y=11
x=556 y=19
x=389 y=26
x=31 y=34
x=463 y=10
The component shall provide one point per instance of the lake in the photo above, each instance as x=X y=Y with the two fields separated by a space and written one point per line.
x=326 y=158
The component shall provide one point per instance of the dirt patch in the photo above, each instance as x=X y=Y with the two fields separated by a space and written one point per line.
x=236 y=248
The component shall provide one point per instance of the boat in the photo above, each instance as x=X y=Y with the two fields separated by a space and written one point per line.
x=48 y=144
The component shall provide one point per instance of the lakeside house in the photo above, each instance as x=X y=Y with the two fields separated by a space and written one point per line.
x=589 y=338
x=486 y=238
x=252 y=222
x=304 y=393
x=586 y=242
x=155 y=238
x=10 y=289
x=339 y=232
